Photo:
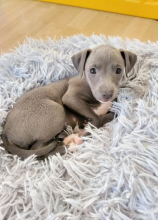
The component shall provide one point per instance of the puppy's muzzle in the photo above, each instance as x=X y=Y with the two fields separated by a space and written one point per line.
x=107 y=95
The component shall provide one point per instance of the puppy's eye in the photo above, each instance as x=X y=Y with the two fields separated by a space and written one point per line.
x=118 y=71
x=93 y=70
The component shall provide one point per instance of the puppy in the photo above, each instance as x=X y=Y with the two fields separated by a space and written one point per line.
x=41 y=114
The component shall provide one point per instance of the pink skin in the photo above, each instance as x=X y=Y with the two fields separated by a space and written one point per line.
x=72 y=141
x=75 y=139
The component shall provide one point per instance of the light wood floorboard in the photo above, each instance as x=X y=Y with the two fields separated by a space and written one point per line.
x=21 y=18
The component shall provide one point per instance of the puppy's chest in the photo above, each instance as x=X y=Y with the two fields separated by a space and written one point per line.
x=102 y=109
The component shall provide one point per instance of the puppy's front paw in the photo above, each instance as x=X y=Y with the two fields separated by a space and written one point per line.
x=72 y=141
x=72 y=148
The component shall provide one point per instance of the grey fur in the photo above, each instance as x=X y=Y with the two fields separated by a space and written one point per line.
x=41 y=114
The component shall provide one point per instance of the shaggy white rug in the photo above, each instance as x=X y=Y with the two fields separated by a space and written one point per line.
x=114 y=174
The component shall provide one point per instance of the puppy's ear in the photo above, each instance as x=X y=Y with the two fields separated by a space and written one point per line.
x=129 y=60
x=79 y=60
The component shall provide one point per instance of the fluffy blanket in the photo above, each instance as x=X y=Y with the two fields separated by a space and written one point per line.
x=114 y=173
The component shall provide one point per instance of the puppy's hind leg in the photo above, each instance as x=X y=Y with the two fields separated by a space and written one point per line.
x=23 y=153
x=59 y=148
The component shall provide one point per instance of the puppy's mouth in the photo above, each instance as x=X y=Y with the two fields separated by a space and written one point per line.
x=105 y=100
x=101 y=99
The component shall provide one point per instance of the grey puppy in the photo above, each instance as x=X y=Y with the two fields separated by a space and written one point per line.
x=42 y=113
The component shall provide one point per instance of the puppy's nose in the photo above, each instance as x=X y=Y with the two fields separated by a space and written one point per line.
x=107 y=95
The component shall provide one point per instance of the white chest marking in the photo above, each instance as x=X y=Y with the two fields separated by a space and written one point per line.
x=103 y=108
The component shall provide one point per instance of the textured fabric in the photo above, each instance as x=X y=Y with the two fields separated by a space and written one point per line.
x=114 y=174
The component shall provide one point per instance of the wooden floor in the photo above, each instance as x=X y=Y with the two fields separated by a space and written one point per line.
x=21 y=18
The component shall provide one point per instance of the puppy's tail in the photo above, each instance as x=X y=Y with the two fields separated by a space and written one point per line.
x=13 y=149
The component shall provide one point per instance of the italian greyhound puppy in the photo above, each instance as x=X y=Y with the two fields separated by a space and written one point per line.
x=41 y=114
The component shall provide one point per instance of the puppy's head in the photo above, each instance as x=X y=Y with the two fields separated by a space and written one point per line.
x=103 y=68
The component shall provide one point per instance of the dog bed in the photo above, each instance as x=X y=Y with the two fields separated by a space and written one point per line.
x=114 y=173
